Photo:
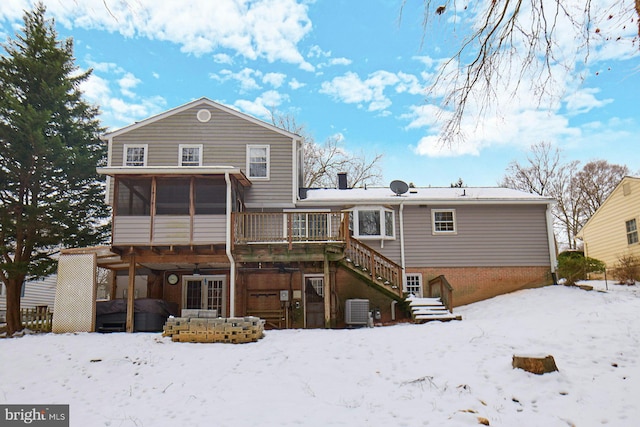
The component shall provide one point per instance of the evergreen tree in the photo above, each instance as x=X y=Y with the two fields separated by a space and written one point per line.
x=50 y=194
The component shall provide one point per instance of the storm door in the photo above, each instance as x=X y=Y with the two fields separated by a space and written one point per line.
x=205 y=293
x=314 y=301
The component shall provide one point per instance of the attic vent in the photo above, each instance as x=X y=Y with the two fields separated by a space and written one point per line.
x=356 y=312
x=626 y=188
x=204 y=115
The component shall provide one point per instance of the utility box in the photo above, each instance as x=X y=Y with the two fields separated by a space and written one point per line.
x=357 y=312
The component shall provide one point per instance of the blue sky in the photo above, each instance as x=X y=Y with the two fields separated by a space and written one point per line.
x=348 y=69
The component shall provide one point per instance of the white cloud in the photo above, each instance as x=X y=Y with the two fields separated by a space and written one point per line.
x=222 y=58
x=316 y=51
x=263 y=105
x=246 y=77
x=584 y=100
x=269 y=29
x=351 y=89
x=116 y=111
x=340 y=61
x=128 y=82
x=295 y=84
x=274 y=79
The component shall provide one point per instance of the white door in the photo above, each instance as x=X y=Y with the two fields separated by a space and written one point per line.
x=204 y=293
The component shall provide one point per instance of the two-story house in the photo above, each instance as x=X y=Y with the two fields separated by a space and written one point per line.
x=209 y=213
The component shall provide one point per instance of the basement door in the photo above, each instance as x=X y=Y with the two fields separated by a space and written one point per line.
x=314 y=301
x=204 y=293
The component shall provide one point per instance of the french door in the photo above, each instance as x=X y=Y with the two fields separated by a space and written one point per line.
x=205 y=293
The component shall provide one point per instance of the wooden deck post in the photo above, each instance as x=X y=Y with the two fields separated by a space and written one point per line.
x=131 y=292
x=327 y=292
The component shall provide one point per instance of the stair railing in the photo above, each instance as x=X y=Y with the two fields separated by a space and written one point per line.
x=445 y=291
x=382 y=269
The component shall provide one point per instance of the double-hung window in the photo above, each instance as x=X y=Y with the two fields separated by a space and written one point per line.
x=135 y=154
x=190 y=154
x=258 y=161
x=632 y=231
x=373 y=223
x=444 y=221
x=414 y=284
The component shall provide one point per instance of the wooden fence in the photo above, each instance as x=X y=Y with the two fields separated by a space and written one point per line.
x=37 y=319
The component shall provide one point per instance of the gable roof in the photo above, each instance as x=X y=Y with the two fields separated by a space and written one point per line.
x=200 y=101
x=422 y=195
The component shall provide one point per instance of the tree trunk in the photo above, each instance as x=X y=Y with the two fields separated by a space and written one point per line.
x=638 y=12
x=14 y=319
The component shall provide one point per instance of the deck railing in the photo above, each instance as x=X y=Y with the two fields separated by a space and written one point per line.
x=286 y=227
x=443 y=289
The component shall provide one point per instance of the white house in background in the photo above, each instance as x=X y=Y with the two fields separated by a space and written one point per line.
x=34 y=293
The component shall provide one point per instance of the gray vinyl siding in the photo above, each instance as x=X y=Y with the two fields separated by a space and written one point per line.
x=169 y=229
x=36 y=292
x=224 y=138
x=490 y=235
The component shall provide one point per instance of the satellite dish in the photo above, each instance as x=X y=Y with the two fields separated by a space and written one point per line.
x=399 y=187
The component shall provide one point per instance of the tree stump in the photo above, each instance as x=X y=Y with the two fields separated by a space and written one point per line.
x=535 y=365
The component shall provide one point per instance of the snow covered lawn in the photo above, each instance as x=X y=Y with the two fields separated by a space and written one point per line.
x=435 y=374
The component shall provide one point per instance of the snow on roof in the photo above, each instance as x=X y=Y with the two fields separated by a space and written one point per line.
x=421 y=195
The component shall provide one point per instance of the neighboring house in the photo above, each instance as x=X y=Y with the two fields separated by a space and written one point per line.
x=612 y=231
x=34 y=293
x=209 y=213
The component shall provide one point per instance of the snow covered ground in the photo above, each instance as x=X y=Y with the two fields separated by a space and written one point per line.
x=435 y=374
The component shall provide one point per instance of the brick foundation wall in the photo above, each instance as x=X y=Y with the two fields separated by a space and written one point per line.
x=472 y=284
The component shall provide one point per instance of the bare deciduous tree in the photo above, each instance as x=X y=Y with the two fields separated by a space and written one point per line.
x=596 y=181
x=578 y=192
x=514 y=45
x=536 y=176
x=569 y=209
x=323 y=162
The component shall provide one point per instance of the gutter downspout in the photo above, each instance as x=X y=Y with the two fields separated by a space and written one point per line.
x=552 y=245
x=402 y=261
x=232 y=272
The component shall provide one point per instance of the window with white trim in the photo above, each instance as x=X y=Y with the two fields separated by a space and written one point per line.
x=373 y=223
x=190 y=155
x=443 y=221
x=2 y=292
x=258 y=161
x=135 y=155
x=413 y=284
x=632 y=231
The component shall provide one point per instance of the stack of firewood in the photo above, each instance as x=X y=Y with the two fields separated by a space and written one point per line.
x=234 y=330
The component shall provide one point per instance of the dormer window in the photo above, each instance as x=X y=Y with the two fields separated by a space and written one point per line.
x=190 y=155
x=258 y=161
x=135 y=155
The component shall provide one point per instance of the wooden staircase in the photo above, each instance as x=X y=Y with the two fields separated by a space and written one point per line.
x=373 y=267
x=428 y=309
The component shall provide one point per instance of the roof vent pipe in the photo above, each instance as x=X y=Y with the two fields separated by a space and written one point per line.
x=342 y=180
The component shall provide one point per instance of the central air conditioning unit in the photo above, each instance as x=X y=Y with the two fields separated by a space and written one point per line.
x=356 y=312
